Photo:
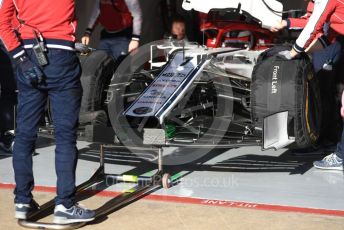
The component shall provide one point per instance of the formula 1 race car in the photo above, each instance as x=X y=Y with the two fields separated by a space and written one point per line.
x=220 y=97
x=234 y=93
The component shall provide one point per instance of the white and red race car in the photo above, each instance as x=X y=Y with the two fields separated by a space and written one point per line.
x=230 y=96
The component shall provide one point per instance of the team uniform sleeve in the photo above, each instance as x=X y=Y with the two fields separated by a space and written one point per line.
x=94 y=17
x=135 y=10
x=7 y=34
x=300 y=23
x=296 y=23
x=321 y=14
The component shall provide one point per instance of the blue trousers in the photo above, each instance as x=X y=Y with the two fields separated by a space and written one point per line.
x=62 y=86
x=116 y=46
x=330 y=55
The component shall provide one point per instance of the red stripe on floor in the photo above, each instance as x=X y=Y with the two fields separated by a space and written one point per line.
x=208 y=202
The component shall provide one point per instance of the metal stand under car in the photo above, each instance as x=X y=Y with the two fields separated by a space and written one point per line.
x=145 y=185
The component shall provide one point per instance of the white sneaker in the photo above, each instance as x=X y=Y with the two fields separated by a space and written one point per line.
x=74 y=214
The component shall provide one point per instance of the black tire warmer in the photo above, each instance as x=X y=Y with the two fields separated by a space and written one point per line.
x=287 y=85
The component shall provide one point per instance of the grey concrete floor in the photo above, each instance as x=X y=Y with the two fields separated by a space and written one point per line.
x=243 y=174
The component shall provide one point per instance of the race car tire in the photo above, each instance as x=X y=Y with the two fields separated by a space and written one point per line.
x=97 y=70
x=94 y=118
x=288 y=85
x=8 y=96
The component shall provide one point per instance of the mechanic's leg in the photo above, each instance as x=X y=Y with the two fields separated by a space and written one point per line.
x=327 y=56
x=329 y=134
x=334 y=161
x=340 y=147
x=119 y=47
x=30 y=108
x=315 y=46
x=105 y=44
x=63 y=75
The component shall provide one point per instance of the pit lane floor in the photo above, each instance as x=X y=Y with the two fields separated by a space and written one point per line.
x=244 y=179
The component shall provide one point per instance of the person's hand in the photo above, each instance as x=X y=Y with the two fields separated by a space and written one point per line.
x=279 y=26
x=82 y=48
x=287 y=54
x=133 y=45
x=85 y=39
x=28 y=71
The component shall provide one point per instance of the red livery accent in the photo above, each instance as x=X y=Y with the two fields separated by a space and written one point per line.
x=233 y=30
